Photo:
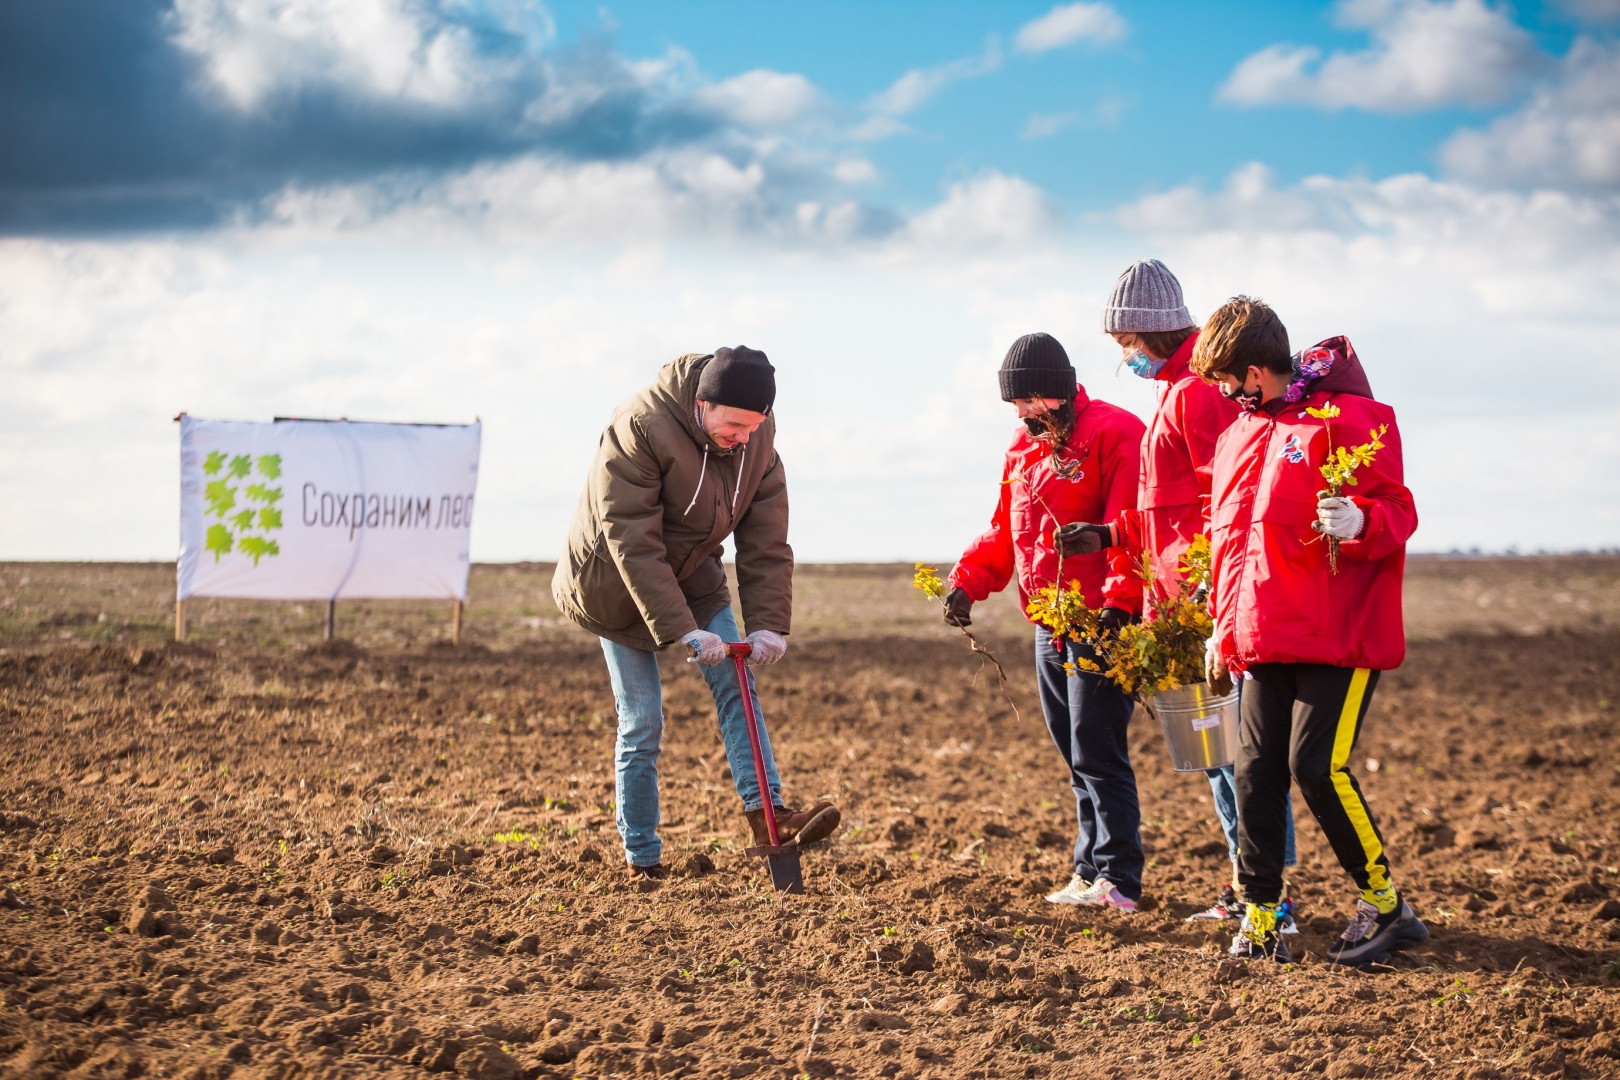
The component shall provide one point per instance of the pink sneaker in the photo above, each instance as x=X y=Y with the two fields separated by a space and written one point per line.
x=1103 y=894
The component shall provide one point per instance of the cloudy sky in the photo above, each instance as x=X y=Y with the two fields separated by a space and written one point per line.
x=445 y=209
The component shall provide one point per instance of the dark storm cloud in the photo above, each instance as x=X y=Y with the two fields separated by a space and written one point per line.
x=106 y=124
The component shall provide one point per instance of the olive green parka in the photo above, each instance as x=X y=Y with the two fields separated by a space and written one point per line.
x=642 y=565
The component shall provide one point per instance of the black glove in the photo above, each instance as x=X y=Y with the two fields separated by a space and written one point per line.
x=1080 y=538
x=958 y=606
x=1111 y=620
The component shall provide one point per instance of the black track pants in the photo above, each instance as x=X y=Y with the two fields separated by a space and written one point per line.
x=1302 y=721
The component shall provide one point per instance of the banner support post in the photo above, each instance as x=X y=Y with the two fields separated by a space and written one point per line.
x=455 y=623
x=179 y=620
x=331 y=619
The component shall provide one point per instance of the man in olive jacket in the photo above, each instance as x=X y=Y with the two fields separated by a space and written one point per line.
x=684 y=463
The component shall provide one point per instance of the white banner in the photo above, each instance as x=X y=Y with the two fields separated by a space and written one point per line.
x=323 y=510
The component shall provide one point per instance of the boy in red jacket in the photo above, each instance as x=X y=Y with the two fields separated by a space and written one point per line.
x=1076 y=460
x=1311 y=641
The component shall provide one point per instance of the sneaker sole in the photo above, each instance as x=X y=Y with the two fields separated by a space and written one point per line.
x=1399 y=940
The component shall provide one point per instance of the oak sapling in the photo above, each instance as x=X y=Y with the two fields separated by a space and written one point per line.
x=927 y=581
x=1146 y=657
x=1339 y=470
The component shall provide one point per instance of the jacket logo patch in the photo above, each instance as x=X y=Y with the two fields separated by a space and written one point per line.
x=1292 y=450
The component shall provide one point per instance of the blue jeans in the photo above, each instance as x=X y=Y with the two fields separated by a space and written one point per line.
x=1088 y=717
x=1223 y=785
x=639 y=696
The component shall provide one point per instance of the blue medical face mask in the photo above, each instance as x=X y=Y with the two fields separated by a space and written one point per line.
x=1143 y=364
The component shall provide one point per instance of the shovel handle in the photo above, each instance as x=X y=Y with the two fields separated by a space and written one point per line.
x=738 y=651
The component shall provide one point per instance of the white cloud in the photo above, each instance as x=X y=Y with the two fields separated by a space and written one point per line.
x=762 y=98
x=1567 y=135
x=1045 y=125
x=913 y=89
x=644 y=201
x=1425 y=54
x=1106 y=114
x=255 y=50
x=1066 y=24
x=855 y=170
x=987 y=211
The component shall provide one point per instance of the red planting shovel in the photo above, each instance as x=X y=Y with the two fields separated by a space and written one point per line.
x=783 y=859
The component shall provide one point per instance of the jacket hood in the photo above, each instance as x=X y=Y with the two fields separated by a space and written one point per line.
x=1180 y=361
x=1328 y=367
x=675 y=391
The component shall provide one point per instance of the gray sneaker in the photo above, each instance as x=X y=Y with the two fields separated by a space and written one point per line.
x=1371 y=938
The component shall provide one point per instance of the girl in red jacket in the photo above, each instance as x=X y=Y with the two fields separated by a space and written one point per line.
x=1311 y=641
x=1148 y=318
x=1076 y=460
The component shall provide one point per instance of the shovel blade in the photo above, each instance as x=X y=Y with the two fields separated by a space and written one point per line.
x=786 y=875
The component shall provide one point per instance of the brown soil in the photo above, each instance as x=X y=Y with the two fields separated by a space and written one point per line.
x=248 y=860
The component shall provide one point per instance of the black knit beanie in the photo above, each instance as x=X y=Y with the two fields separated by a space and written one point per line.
x=742 y=378
x=1037 y=366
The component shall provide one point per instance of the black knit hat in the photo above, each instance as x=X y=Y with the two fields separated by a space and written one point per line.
x=1037 y=366
x=741 y=378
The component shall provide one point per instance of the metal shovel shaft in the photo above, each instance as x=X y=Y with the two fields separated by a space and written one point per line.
x=738 y=651
x=783 y=859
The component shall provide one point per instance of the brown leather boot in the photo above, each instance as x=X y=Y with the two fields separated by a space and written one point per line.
x=655 y=872
x=808 y=826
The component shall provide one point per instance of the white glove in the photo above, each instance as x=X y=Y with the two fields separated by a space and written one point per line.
x=706 y=648
x=1214 y=666
x=1339 y=517
x=768 y=647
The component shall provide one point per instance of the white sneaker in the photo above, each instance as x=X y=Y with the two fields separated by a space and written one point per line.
x=1072 y=892
x=1102 y=893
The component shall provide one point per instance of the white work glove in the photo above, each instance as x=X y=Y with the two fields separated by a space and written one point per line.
x=706 y=648
x=1214 y=666
x=1338 y=516
x=768 y=647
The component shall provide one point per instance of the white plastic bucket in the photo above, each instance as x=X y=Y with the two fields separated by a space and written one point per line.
x=1200 y=727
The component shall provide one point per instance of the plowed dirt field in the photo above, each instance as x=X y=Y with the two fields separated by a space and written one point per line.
x=261 y=855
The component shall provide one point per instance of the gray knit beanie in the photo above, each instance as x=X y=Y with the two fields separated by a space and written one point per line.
x=1146 y=298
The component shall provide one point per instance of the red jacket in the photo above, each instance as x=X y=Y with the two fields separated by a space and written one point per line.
x=1035 y=500
x=1178 y=458
x=1273 y=597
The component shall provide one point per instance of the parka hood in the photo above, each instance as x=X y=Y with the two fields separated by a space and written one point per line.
x=1179 y=362
x=675 y=390
x=1329 y=367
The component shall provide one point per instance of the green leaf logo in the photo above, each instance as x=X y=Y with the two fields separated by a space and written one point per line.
x=239 y=529
x=257 y=547
x=263 y=493
x=220 y=496
x=219 y=541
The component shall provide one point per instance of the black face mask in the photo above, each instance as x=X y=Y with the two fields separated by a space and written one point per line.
x=1249 y=399
x=1042 y=424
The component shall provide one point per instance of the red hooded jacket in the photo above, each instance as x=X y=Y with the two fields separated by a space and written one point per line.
x=1035 y=500
x=1273 y=597
x=1178 y=458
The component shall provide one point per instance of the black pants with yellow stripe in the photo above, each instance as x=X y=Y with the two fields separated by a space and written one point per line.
x=1300 y=722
